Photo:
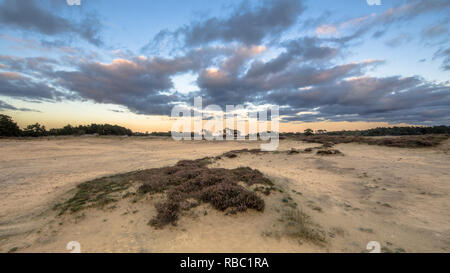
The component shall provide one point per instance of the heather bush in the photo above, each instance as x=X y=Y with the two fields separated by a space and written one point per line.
x=192 y=180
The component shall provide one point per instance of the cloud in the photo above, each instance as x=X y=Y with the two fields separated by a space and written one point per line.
x=380 y=23
x=246 y=24
x=436 y=30
x=29 y=15
x=326 y=30
x=36 y=66
x=304 y=75
x=399 y=40
x=141 y=83
x=5 y=106
x=445 y=54
x=14 y=84
x=392 y=99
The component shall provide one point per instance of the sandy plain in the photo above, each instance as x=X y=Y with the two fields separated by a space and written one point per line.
x=398 y=197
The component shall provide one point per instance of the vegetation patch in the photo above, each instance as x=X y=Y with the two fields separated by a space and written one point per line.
x=329 y=152
x=97 y=193
x=300 y=226
x=235 y=153
x=414 y=141
x=186 y=185
x=12 y=250
x=192 y=180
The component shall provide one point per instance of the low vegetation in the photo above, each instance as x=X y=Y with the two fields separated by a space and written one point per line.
x=186 y=185
x=379 y=131
x=329 y=152
x=300 y=226
x=397 y=131
x=418 y=141
x=97 y=193
x=190 y=182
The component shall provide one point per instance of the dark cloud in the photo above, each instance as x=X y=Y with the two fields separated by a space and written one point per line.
x=14 y=84
x=247 y=24
x=31 y=15
x=284 y=72
x=116 y=111
x=392 y=99
x=133 y=84
x=36 y=66
x=445 y=54
x=5 y=106
x=304 y=50
x=141 y=84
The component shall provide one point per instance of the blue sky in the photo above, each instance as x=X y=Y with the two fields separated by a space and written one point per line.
x=130 y=62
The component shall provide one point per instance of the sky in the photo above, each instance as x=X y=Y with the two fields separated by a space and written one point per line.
x=327 y=64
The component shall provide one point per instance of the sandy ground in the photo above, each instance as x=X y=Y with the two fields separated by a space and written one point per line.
x=398 y=197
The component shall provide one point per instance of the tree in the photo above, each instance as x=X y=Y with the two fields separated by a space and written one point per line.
x=308 y=132
x=34 y=130
x=8 y=127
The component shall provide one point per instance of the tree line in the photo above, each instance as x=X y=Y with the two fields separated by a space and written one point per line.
x=9 y=128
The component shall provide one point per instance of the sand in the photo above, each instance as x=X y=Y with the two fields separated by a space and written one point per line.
x=398 y=197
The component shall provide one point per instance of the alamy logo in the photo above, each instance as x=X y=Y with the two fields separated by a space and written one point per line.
x=373 y=2
x=73 y=2
x=74 y=247
x=373 y=247
x=209 y=122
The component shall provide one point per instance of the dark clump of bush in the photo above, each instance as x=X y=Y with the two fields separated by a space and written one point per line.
x=227 y=195
x=329 y=152
x=234 y=153
x=167 y=213
x=230 y=155
x=193 y=180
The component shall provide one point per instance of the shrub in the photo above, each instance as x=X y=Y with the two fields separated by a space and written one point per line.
x=193 y=180
x=167 y=213
x=329 y=152
x=186 y=185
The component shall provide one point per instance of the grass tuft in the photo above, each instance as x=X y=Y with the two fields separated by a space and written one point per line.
x=299 y=226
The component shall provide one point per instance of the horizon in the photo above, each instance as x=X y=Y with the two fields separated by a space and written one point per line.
x=327 y=65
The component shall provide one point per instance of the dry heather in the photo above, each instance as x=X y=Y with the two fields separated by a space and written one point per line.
x=186 y=185
x=400 y=141
x=190 y=182
x=329 y=152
